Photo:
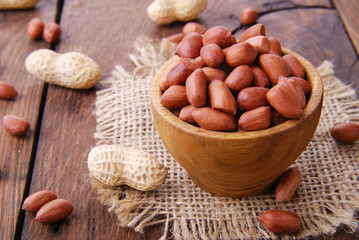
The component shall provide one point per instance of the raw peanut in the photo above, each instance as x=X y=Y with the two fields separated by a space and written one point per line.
x=304 y=84
x=17 y=4
x=287 y=183
x=176 y=38
x=196 y=88
x=15 y=125
x=221 y=97
x=274 y=66
x=176 y=112
x=252 y=97
x=277 y=118
x=260 y=43
x=186 y=114
x=214 y=73
x=7 y=91
x=297 y=90
x=174 y=97
x=297 y=67
x=200 y=62
x=255 y=119
x=193 y=27
x=34 y=28
x=345 y=132
x=260 y=79
x=239 y=54
x=168 y=11
x=51 y=32
x=180 y=72
x=249 y=16
x=54 y=211
x=38 y=199
x=255 y=30
x=280 y=221
x=275 y=46
x=164 y=83
x=212 y=55
x=219 y=35
x=214 y=120
x=190 y=45
x=71 y=70
x=241 y=77
x=114 y=165
x=284 y=101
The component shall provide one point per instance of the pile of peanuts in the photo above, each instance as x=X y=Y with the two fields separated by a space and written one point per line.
x=224 y=84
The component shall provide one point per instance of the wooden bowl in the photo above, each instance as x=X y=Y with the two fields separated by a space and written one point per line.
x=237 y=164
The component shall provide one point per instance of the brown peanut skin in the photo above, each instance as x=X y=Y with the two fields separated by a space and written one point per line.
x=174 y=97
x=297 y=67
x=180 y=72
x=249 y=16
x=274 y=66
x=255 y=119
x=196 y=88
x=221 y=97
x=190 y=45
x=345 y=132
x=297 y=90
x=287 y=184
x=193 y=27
x=255 y=30
x=212 y=55
x=38 y=199
x=241 y=77
x=284 y=101
x=15 y=125
x=275 y=46
x=164 y=81
x=304 y=84
x=260 y=79
x=260 y=43
x=186 y=114
x=240 y=54
x=51 y=32
x=54 y=211
x=7 y=91
x=211 y=119
x=280 y=221
x=219 y=35
x=252 y=97
x=34 y=28
x=176 y=38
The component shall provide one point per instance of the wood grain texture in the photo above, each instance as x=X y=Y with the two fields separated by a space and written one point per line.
x=350 y=19
x=16 y=152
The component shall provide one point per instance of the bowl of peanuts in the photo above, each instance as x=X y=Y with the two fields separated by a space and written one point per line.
x=235 y=113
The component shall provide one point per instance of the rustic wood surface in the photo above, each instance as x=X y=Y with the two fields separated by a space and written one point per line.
x=53 y=154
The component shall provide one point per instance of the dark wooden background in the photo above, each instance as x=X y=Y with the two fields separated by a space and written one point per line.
x=53 y=154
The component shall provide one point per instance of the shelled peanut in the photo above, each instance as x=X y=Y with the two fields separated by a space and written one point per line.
x=224 y=84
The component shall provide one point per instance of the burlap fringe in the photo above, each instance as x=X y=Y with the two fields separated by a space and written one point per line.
x=141 y=213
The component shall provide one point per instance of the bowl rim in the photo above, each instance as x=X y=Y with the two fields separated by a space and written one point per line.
x=315 y=101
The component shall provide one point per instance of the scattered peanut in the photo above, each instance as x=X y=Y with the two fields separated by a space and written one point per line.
x=54 y=211
x=168 y=11
x=249 y=16
x=7 y=91
x=345 y=132
x=71 y=70
x=38 y=199
x=287 y=183
x=15 y=125
x=34 y=28
x=52 y=32
x=280 y=221
x=17 y=4
x=115 y=165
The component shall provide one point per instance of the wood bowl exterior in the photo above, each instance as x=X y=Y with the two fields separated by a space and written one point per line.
x=242 y=163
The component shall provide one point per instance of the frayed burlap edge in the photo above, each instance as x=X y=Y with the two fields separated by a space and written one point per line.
x=138 y=210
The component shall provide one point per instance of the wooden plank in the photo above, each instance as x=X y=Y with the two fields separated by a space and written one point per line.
x=17 y=152
x=348 y=11
x=105 y=30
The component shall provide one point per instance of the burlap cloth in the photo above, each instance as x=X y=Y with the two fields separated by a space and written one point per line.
x=327 y=197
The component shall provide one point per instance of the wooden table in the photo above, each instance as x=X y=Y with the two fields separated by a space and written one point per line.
x=53 y=154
